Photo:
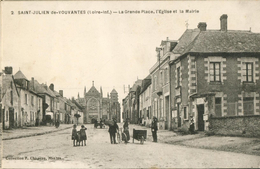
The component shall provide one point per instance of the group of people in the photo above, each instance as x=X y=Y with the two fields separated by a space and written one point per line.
x=79 y=136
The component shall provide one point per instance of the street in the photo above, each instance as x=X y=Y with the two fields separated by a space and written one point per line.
x=56 y=150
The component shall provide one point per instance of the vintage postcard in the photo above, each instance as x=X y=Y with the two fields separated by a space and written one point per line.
x=130 y=84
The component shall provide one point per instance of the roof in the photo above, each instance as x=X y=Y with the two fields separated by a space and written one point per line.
x=92 y=91
x=20 y=75
x=39 y=88
x=136 y=84
x=56 y=93
x=113 y=91
x=216 y=41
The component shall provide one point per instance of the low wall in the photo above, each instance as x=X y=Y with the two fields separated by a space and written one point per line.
x=248 y=126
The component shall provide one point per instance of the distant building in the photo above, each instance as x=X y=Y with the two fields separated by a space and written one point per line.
x=95 y=106
x=145 y=108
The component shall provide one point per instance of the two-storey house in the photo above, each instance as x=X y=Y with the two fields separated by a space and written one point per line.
x=215 y=73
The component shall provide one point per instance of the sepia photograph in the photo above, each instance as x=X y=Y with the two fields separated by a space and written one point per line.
x=130 y=84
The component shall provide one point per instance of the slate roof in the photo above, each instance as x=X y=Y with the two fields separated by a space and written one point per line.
x=39 y=88
x=216 y=41
x=19 y=75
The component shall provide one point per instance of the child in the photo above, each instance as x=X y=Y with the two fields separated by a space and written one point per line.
x=74 y=136
x=83 y=135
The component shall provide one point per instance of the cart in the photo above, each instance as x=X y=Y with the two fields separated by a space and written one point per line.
x=139 y=135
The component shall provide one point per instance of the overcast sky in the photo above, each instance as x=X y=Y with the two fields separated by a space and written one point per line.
x=113 y=50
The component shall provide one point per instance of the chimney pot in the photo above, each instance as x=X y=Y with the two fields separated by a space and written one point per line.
x=223 y=22
x=202 y=26
x=51 y=86
x=61 y=93
x=32 y=83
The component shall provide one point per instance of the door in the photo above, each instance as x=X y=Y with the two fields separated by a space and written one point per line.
x=200 y=109
x=178 y=115
x=167 y=113
x=11 y=118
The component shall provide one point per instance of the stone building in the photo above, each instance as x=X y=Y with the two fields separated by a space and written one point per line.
x=95 y=106
x=10 y=108
x=159 y=72
x=214 y=77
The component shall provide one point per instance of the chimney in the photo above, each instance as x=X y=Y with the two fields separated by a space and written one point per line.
x=8 y=70
x=45 y=86
x=61 y=93
x=51 y=86
x=202 y=26
x=223 y=22
x=32 y=83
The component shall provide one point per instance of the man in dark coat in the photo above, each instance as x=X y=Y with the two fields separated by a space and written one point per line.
x=154 y=129
x=112 y=131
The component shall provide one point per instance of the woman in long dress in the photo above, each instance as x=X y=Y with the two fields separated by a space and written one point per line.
x=126 y=129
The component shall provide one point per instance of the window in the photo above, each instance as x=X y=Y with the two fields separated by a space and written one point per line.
x=248 y=69
x=185 y=113
x=155 y=82
x=218 y=107
x=161 y=78
x=178 y=77
x=166 y=75
x=25 y=99
x=6 y=119
x=161 y=106
x=214 y=71
x=12 y=101
x=39 y=104
x=248 y=105
x=32 y=100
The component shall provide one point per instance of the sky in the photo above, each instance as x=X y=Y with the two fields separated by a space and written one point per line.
x=72 y=50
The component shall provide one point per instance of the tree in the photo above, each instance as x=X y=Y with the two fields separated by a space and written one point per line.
x=77 y=116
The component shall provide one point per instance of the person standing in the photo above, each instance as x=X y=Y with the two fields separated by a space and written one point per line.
x=112 y=132
x=83 y=136
x=74 y=136
x=126 y=129
x=154 y=129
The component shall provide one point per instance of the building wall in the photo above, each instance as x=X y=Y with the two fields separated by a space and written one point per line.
x=8 y=87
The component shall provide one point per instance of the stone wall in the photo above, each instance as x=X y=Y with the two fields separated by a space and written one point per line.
x=248 y=126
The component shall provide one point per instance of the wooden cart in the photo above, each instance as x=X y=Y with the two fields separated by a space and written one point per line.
x=139 y=135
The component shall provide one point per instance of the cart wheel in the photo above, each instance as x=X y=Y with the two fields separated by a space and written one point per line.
x=142 y=140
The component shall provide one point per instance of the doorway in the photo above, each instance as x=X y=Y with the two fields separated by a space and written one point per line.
x=200 y=109
x=167 y=113
x=11 y=117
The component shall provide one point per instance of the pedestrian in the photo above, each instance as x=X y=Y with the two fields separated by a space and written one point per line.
x=126 y=130
x=192 y=125
x=74 y=136
x=154 y=129
x=83 y=135
x=113 y=128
